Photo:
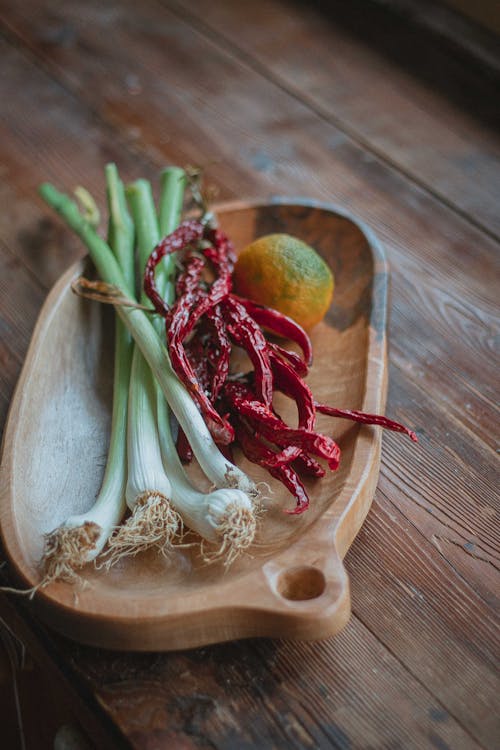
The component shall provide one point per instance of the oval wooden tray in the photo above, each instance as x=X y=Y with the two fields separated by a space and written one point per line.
x=294 y=584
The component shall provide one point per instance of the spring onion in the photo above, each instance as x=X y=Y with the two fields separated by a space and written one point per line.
x=224 y=517
x=153 y=522
x=82 y=537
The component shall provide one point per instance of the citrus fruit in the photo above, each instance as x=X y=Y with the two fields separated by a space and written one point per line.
x=282 y=272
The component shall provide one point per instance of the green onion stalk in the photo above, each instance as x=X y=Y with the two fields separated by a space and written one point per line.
x=153 y=521
x=82 y=537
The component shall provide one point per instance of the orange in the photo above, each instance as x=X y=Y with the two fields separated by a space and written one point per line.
x=283 y=272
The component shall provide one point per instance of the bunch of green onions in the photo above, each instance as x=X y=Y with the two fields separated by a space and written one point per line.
x=143 y=471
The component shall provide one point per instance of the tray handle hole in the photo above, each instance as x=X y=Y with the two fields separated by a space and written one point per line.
x=301 y=583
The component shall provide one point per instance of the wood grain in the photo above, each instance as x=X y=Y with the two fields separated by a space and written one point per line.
x=441 y=619
x=334 y=57
x=262 y=694
x=172 y=90
x=21 y=300
x=268 y=695
x=74 y=702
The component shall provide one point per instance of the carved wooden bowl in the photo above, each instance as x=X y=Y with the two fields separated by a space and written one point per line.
x=293 y=584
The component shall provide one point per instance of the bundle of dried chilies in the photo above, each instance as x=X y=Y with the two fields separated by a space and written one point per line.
x=204 y=323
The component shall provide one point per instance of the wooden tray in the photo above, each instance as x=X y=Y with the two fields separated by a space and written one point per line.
x=294 y=584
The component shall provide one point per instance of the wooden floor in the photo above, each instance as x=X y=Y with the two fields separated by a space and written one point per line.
x=356 y=105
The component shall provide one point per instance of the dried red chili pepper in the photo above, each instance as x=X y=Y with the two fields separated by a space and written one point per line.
x=308 y=465
x=178 y=321
x=280 y=324
x=359 y=416
x=222 y=256
x=288 y=382
x=240 y=388
x=276 y=431
x=221 y=253
x=276 y=463
x=185 y=312
x=220 y=428
x=292 y=358
x=190 y=307
x=202 y=302
x=247 y=334
x=219 y=351
x=196 y=351
x=290 y=454
x=189 y=280
x=187 y=233
x=258 y=453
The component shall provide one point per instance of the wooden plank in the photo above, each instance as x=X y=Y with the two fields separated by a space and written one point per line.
x=67 y=150
x=73 y=697
x=250 y=694
x=21 y=298
x=406 y=592
x=461 y=497
x=269 y=694
x=401 y=93
x=472 y=44
x=449 y=231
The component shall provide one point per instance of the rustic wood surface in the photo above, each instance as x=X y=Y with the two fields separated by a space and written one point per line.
x=351 y=107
